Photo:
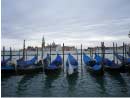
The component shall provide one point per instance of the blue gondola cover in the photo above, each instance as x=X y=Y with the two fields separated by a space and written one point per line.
x=98 y=58
x=71 y=64
x=55 y=63
x=108 y=62
x=97 y=67
x=72 y=60
x=7 y=67
x=27 y=63
x=86 y=59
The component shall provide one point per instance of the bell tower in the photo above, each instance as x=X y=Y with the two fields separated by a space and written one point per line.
x=43 y=42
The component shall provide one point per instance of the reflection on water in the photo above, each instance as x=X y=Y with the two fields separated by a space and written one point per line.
x=81 y=84
x=24 y=83
x=120 y=82
x=72 y=82
x=100 y=80
x=49 y=80
x=49 y=85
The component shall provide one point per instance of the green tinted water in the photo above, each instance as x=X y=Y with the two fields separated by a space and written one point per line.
x=83 y=84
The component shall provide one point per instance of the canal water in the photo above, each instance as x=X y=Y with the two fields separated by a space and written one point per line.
x=82 y=85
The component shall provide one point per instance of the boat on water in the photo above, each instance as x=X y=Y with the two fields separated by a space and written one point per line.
x=110 y=65
x=4 y=62
x=128 y=53
x=7 y=67
x=93 y=65
x=88 y=60
x=124 y=61
x=54 y=67
x=71 y=65
x=29 y=66
x=22 y=67
x=25 y=63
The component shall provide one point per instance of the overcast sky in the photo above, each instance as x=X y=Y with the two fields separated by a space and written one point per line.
x=70 y=21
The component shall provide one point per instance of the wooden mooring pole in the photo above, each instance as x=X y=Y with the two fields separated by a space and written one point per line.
x=81 y=59
x=63 y=56
x=129 y=47
x=123 y=53
x=3 y=53
x=50 y=53
x=98 y=50
x=19 y=53
x=42 y=58
x=77 y=54
x=10 y=53
x=37 y=54
x=116 y=52
x=26 y=54
x=103 y=53
x=43 y=46
x=24 y=50
x=113 y=52
x=103 y=50
x=95 y=50
x=90 y=52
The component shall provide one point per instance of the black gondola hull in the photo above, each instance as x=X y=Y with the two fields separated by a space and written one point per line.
x=52 y=71
x=8 y=72
x=21 y=71
x=96 y=72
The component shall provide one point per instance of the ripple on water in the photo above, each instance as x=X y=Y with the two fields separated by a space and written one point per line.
x=81 y=85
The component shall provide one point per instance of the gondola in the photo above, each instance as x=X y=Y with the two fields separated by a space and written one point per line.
x=71 y=65
x=88 y=61
x=111 y=66
x=94 y=66
x=128 y=53
x=29 y=70
x=54 y=67
x=124 y=61
x=4 y=62
x=22 y=63
x=29 y=66
x=23 y=67
x=7 y=67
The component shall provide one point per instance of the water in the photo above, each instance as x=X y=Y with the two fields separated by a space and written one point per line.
x=82 y=85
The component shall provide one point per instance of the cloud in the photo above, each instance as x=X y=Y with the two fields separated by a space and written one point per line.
x=72 y=22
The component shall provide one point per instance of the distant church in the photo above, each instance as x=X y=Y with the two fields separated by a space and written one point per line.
x=54 y=47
